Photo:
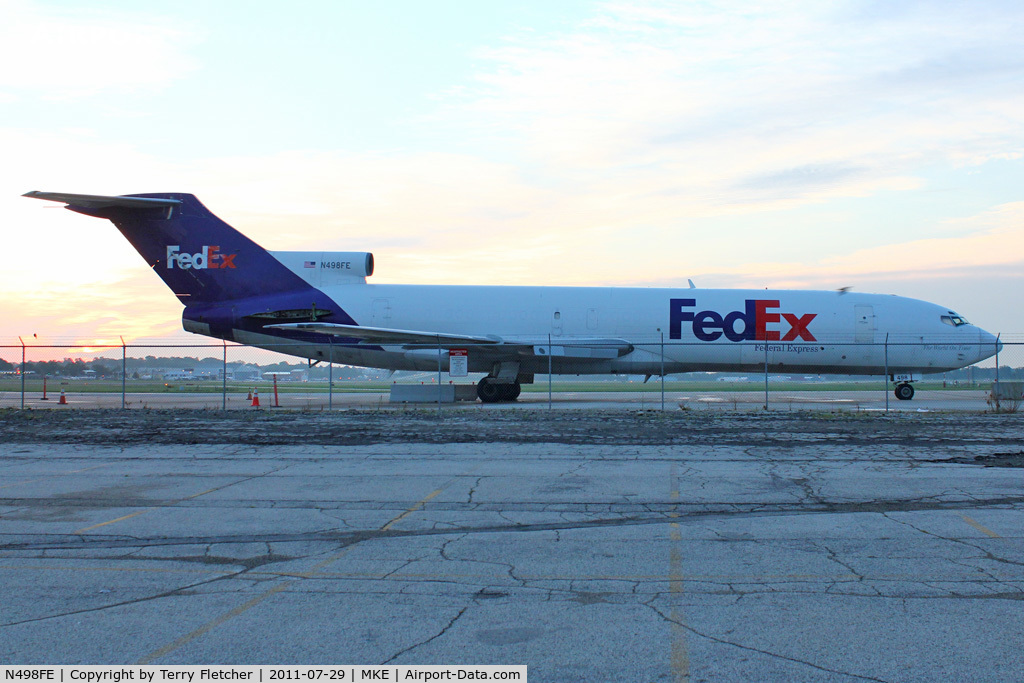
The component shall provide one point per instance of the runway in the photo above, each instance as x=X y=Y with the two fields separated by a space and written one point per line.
x=961 y=400
x=757 y=548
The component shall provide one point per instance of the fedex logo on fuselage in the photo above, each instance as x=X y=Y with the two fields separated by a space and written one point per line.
x=208 y=257
x=755 y=322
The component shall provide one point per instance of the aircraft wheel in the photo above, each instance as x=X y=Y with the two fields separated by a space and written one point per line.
x=488 y=391
x=491 y=392
x=904 y=392
x=510 y=392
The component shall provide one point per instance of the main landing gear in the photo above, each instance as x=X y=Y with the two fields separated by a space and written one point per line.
x=904 y=391
x=503 y=384
x=490 y=391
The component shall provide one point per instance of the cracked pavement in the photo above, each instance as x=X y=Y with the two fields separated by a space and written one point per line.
x=801 y=547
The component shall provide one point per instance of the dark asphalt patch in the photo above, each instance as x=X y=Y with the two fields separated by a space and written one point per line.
x=583 y=427
x=994 y=460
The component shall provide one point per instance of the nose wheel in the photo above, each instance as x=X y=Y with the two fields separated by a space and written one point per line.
x=904 y=392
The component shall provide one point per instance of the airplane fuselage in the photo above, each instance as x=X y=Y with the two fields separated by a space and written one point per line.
x=670 y=330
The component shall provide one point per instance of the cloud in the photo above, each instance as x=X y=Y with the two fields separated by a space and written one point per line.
x=993 y=238
x=762 y=144
x=797 y=179
x=699 y=96
x=66 y=51
x=988 y=243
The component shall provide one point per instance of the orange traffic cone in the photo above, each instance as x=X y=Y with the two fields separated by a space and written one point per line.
x=249 y=397
x=255 y=399
x=63 y=399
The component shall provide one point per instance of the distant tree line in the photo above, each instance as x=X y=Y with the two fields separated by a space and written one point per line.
x=975 y=374
x=135 y=367
x=69 y=367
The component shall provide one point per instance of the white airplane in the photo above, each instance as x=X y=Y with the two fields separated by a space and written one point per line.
x=318 y=305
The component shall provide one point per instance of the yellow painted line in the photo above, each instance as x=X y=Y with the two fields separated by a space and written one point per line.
x=202 y=493
x=143 y=570
x=244 y=607
x=20 y=483
x=86 y=469
x=727 y=578
x=979 y=527
x=136 y=514
x=206 y=628
x=408 y=512
x=102 y=524
x=119 y=519
x=188 y=637
x=732 y=578
x=679 y=657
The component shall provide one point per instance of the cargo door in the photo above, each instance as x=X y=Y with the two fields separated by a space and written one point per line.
x=864 y=351
x=556 y=323
x=864 y=324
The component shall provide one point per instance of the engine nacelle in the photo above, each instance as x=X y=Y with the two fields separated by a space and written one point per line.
x=325 y=268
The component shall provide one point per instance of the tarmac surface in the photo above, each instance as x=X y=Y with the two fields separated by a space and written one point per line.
x=588 y=545
x=960 y=400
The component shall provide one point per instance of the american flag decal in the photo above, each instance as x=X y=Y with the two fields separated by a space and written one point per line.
x=309 y=264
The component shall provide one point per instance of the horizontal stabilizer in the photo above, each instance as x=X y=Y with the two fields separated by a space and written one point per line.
x=384 y=335
x=200 y=257
x=99 y=201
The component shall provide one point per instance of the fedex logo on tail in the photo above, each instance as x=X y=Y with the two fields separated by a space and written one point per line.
x=208 y=257
x=757 y=321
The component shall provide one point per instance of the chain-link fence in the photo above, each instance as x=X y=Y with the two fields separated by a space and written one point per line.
x=547 y=374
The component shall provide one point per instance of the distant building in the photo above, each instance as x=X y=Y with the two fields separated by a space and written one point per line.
x=245 y=373
x=287 y=376
x=176 y=375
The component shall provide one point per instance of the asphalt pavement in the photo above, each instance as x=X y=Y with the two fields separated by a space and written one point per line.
x=851 y=548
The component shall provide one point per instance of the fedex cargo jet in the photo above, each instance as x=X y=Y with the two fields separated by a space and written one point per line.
x=318 y=305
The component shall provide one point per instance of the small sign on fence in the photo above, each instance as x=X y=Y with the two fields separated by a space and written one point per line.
x=458 y=362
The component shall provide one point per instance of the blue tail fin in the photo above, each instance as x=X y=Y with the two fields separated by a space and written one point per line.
x=199 y=256
x=229 y=284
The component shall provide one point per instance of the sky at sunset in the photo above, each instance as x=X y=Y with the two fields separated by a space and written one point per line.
x=780 y=144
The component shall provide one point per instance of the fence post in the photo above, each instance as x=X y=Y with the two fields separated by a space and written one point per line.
x=23 y=372
x=549 y=371
x=439 y=375
x=886 y=378
x=662 y=370
x=330 y=373
x=224 y=378
x=766 y=374
x=124 y=372
x=996 y=357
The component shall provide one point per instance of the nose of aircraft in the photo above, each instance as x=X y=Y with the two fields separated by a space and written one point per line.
x=990 y=344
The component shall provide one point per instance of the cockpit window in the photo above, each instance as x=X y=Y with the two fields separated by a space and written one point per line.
x=954 y=320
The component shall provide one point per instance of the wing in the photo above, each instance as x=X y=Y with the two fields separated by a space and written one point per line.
x=386 y=335
x=580 y=348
